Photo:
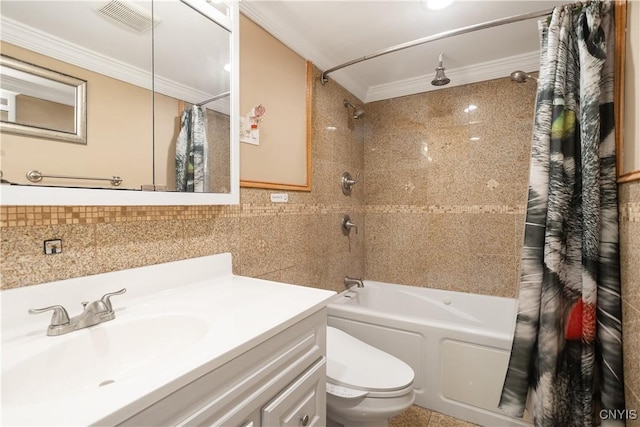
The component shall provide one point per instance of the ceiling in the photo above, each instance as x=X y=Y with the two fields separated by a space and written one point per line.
x=330 y=33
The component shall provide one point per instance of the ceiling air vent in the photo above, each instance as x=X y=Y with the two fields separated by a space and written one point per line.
x=127 y=14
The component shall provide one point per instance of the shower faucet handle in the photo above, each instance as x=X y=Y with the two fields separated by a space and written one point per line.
x=348 y=182
x=347 y=225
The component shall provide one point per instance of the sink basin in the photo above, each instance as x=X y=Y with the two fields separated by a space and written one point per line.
x=99 y=356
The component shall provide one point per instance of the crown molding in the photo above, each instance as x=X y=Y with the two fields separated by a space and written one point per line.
x=269 y=15
x=46 y=44
x=480 y=72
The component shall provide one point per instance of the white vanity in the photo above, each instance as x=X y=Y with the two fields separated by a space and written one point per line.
x=191 y=344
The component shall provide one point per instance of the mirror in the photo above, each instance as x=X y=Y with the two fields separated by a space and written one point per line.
x=42 y=103
x=135 y=95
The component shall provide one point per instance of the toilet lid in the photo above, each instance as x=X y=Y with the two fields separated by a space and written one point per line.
x=356 y=364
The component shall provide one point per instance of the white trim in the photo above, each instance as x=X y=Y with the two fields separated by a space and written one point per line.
x=44 y=43
x=461 y=76
x=10 y=105
x=40 y=195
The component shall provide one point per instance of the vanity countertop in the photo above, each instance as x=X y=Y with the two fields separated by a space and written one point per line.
x=176 y=322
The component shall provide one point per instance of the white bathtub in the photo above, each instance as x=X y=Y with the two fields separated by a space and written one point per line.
x=458 y=344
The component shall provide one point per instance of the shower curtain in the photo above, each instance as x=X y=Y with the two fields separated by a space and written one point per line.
x=191 y=151
x=566 y=355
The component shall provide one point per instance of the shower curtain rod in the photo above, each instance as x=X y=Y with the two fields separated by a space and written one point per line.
x=439 y=36
x=222 y=95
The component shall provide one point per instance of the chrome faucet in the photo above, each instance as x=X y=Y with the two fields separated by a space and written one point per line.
x=350 y=281
x=96 y=312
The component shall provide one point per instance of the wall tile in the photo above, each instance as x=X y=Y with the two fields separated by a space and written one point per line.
x=123 y=245
x=24 y=261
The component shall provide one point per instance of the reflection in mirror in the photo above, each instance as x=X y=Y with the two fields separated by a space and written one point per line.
x=192 y=127
x=115 y=61
x=40 y=102
x=141 y=74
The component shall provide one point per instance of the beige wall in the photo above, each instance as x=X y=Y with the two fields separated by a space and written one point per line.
x=273 y=75
x=38 y=112
x=631 y=159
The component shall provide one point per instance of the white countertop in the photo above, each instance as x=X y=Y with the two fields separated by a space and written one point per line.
x=205 y=315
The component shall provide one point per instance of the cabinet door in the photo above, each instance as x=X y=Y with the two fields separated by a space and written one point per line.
x=303 y=403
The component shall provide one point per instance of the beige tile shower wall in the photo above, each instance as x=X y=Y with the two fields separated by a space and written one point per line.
x=446 y=189
x=297 y=242
x=630 y=269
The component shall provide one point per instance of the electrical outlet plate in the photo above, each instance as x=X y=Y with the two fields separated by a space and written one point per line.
x=53 y=246
x=279 y=197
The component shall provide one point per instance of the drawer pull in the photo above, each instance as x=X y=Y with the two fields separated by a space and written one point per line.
x=304 y=420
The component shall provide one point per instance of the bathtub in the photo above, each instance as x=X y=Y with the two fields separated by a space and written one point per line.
x=458 y=344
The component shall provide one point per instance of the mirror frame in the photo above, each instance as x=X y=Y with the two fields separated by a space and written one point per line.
x=32 y=195
x=80 y=134
x=619 y=89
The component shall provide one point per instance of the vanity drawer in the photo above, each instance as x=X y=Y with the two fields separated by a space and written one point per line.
x=230 y=394
x=303 y=403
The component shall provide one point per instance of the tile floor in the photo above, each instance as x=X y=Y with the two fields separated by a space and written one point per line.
x=420 y=417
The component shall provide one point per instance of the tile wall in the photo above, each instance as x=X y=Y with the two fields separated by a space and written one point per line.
x=446 y=187
x=630 y=266
x=298 y=242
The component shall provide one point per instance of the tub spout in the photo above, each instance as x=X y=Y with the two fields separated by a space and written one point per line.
x=350 y=281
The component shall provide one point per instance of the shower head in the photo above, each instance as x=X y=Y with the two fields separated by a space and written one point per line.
x=440 y=79
x=521 y=76
x=358 y=112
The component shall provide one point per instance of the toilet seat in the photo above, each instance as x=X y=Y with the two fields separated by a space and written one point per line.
x=371 y=372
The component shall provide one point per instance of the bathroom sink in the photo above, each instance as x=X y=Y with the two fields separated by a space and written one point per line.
x=100 y=356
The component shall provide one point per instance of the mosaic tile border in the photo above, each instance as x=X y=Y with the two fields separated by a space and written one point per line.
x=448 y=209
x=26 y=216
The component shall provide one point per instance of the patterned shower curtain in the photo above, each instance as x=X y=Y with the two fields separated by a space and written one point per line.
x=191 y=151
x=567 y=350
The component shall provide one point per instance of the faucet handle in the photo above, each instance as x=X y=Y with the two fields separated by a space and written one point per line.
x=59 y=316
x=348 y=182
x=106 y=298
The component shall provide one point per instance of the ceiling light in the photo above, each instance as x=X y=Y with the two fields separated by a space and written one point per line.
x=471 y=107
x=474 y=138
x=437 y=4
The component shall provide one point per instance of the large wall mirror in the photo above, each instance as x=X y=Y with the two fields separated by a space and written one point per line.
x=161 y=95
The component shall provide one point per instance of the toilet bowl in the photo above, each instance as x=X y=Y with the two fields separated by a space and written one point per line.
x=365 y=386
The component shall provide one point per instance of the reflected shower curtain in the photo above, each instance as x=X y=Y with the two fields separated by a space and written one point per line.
x=191 y=149
x=567 y=348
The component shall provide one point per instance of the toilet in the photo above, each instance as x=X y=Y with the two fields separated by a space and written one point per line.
x=365 y=385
